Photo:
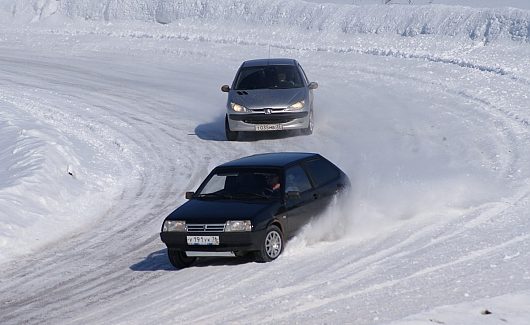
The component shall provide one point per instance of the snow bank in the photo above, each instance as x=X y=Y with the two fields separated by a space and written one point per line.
x=37 y=158
x=485 y=24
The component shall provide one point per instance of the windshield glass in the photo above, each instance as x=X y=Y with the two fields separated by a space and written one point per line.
x=269 y=77
x=242 y=185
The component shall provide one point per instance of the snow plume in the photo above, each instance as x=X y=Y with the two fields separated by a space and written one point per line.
x=347 y=218
x=357 y=216
x=477 y=24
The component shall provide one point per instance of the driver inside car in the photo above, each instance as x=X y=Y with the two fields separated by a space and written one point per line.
x=273 y=184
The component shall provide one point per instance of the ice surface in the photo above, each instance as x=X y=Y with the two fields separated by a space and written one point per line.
x=108 y=116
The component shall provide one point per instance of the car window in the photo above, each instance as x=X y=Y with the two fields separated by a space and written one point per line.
x=238 y=183
x=296 y=180
x=268 y=77
x=321 y=171
x=216 y=184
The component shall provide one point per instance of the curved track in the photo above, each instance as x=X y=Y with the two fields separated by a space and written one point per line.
x=436 y=161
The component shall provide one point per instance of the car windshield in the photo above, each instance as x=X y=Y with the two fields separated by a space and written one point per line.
x=241 y=185
x=268 y=77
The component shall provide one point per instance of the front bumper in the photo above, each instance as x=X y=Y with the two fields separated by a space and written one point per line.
x=228 y=241
x=288 y=120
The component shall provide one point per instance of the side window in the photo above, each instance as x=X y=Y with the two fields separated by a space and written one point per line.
x=321 y=171
x=296 y=180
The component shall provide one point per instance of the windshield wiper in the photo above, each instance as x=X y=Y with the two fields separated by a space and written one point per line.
x=215 y=195
x=252 y=194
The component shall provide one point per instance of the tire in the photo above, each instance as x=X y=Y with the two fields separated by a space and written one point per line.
x=272 y=245
x=309 y=129
x=179 y=259
x=230 y=135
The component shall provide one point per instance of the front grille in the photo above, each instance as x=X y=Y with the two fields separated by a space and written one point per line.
x=270 y=110
x=209 y=227
x=274 y=118
x=269 y=121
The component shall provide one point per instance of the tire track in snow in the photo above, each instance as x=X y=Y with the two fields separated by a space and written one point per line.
x=71 y=285
x=168 y=159
x=209 y=37
x=99 y=273
x=451 y=229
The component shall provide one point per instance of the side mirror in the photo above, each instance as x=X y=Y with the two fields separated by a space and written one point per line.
x=293 y=195
x=189 y=195
x=225 y=88
x=312 y=85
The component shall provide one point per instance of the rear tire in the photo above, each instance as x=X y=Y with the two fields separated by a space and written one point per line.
x=179 y=259
x=272 y=245
x=309 y=129
x=230 y=135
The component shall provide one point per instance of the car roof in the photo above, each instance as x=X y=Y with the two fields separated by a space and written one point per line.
x=264 y=62
x=273 y=159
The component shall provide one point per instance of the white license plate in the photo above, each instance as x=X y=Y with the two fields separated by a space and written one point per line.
x=202 y=240
x=269 y=127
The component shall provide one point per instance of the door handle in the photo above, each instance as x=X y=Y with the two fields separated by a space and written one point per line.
x=315 y=196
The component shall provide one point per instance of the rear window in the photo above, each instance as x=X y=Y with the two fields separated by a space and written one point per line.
x=268 y=77
x=321 y=171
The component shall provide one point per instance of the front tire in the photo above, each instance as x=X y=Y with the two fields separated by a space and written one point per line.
x=230 y=135
x=179 y=259
x=272 y=245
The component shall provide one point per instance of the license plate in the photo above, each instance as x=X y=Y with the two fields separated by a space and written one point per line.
x=202 y=240
x=269 y=127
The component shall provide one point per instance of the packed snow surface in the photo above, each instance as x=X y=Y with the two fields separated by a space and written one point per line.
x=111 y=110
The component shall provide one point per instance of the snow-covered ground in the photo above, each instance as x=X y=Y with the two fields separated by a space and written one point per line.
x=469 y=3
x=107 y=118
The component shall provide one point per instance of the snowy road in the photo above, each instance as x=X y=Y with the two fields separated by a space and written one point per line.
x=436 y=150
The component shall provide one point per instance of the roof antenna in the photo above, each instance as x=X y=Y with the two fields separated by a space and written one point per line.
x=269 y=50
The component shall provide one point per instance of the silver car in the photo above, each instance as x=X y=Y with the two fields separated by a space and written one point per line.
x=269 y=95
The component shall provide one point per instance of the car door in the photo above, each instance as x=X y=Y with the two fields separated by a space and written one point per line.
x=299 y=208
x=326 y=179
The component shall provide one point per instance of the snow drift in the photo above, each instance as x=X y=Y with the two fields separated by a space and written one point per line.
x=476 y=24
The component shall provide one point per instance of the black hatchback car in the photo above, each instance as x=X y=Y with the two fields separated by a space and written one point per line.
x=250 y=206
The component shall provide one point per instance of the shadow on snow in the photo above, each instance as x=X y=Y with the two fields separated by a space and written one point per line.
x=215 y=131
x=158 y=261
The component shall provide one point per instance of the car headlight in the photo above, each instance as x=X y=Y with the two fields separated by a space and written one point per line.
x=297 y=105
x=174 y=225
x=238 y=225
x=238 y=108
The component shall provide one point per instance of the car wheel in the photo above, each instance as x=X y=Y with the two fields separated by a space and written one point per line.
x=230 y=135
x=179 y=259
x=272 y=245
x=309 y=129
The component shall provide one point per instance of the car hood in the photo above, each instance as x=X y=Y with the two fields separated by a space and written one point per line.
x=268 y=98
x=219 y=211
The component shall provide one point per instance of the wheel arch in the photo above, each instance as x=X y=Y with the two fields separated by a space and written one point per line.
x=277 y=223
